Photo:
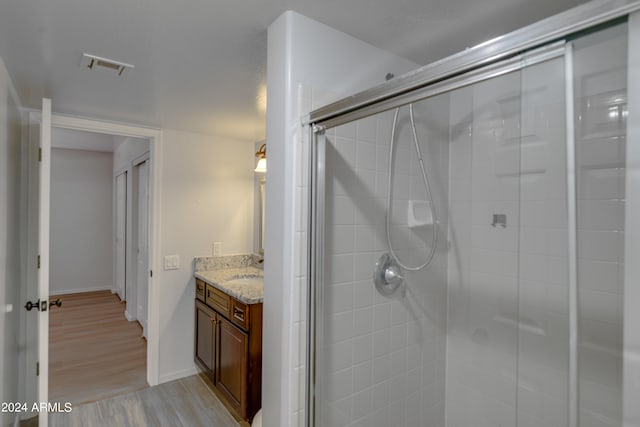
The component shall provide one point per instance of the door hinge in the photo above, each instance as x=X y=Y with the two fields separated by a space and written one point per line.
x=150 y=273
x=38 y=261
x=37 y=369
x=39 y=154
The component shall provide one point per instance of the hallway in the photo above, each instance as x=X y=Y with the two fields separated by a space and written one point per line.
x=94 y=352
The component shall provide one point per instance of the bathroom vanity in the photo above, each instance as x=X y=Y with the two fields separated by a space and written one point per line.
x=228 y=334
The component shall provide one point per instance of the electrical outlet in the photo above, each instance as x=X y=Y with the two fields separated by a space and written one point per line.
x=217 y=248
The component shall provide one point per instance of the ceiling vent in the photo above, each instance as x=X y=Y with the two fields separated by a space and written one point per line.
x=93 y=62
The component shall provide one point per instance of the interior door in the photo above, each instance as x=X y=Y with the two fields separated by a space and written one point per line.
x=37 y=316
x=43 y=275
x=143 y=244
x=121 y=235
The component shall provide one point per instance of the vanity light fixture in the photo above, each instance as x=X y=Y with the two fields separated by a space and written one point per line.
x=262 y=155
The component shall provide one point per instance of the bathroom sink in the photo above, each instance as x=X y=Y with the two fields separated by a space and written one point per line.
x=251 y=280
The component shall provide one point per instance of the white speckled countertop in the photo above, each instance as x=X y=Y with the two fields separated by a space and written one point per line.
x=247 y=293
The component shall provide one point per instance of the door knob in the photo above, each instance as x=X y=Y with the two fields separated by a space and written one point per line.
x=31 y=305
x=57 y=303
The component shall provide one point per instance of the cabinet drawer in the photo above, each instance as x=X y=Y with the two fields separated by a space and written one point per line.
x=218 y=300
x=239 y=314
x=200 y=287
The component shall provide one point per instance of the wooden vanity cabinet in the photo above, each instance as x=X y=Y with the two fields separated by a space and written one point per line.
x=232 y=362
x=200 y=287
x=206 y=335
x=228 y=347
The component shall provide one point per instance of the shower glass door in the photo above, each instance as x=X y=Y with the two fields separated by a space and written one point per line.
x=383 y=357
x=481 y=374
x=518 y=319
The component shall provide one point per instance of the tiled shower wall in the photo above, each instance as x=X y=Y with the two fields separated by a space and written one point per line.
x=508 y=291
x=384 y=357
x=309 y=99
x=543 y=250
x=600 y=82
x=508 y=320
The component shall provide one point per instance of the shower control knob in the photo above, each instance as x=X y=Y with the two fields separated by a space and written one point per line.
x=387 y=275
x=392 y=275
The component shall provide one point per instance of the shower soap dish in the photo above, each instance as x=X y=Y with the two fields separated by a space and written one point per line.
x=419 y=214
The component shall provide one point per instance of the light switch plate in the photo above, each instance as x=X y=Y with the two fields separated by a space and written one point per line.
x=172 y=262
x=217 y=248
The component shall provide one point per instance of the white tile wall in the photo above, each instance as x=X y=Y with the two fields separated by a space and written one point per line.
x=543 y=339
x=384 y=357
x=309 y=99
x=600 y=90
x=298 y=373
x=483 y=275
x=508 y=288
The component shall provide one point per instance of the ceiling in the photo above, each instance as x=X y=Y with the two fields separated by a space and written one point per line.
x=200 y=65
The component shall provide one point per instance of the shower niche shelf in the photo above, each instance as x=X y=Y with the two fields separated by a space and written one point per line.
x=419 y=214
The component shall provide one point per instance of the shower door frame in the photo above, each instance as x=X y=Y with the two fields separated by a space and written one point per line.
x=491 y=59
x=549 y=30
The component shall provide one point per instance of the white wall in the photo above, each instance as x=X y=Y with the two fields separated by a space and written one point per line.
x=207 y=196
x=81 y=221
x=11 y=247
x=127 y=150
x=300 y=52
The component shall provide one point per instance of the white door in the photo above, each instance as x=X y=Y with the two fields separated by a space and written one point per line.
x=143 y=243
x=121 y=235
x=37 y=306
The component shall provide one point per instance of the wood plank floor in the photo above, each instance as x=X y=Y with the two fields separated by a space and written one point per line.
x=94 y=352
x=186 y=402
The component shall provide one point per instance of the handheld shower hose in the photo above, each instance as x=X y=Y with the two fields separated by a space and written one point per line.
x=425 y=179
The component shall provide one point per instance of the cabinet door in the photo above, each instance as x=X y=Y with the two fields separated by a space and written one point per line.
x=231 y=375
x=205 y=336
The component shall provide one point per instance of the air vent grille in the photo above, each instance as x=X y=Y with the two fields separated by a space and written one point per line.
x=92 y=62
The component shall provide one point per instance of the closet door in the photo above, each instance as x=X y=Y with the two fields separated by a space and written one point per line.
x=121 y=235
x=142 y=170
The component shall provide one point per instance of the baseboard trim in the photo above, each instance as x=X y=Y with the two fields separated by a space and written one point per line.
x=78 y=291
x=177 y=375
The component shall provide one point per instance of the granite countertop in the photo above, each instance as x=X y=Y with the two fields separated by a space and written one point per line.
x=247 y=293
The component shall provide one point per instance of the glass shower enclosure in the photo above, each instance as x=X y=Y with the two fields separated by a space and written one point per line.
x=524 y=314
